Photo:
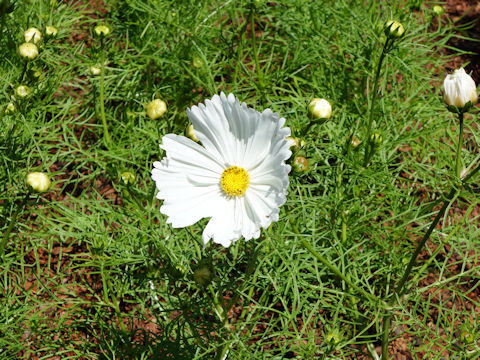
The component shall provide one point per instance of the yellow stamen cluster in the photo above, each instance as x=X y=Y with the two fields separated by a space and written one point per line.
x=235 y=181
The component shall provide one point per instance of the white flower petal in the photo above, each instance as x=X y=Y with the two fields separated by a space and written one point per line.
x=232 y=134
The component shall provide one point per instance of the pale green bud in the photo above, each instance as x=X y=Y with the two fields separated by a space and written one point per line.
x=102 y=30
x=22 y=91
x=28 y=51
x=32 y=34
x=156 y=109
x=38 y=181
x=51 y=31
x=394 y=29
x=320 y=109
x=127 y=177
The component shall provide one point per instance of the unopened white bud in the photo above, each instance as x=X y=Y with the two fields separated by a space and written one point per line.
x=38 y=181
x=320 y=109
x=156 y=109
x=28 y=51
x=32 y=35
x=459 y=89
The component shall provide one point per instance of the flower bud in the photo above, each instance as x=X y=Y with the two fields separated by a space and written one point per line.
x=102 y=30
x=466 y=337
x=197 y=62
x=22 y=91
x=191 y=133
x=38 y=181
x=32 y=34
x=203 y=275
x=333 y=337
x=297 y=143
x=95 y=70
x=355 y=142
x=300 y=164
x=459 y=91
x=10 y=108
x=376 y=139
x=319 y=109
x=438 y=10
x=28 y=51
x=51 y=31
x=127 y=177
x=156 y=109
x=393 y=29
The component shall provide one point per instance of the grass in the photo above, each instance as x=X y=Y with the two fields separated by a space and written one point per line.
x=92 y=270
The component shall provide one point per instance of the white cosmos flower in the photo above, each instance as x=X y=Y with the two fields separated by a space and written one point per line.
x=238 y=178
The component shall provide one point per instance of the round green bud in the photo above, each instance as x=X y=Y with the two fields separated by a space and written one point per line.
x=127 y=177
x=439 y=10
x=466 y=337
x=197 y=62
x=10 y=108
x=203 y=276
x=333 y=337
x=376 y=139
x=102 y=30
x=300 y=164
x=394 y=29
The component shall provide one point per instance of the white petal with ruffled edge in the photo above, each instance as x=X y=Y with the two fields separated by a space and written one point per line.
x=232 y=134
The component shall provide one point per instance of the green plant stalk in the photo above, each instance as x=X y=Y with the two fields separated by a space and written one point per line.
x=458 y=160
x=231 y=303
x=106 y=135
x=12 y=222
x=25 y=65
x=333 y=268
x=254 y=48
x=400 y=288
x=369 y=148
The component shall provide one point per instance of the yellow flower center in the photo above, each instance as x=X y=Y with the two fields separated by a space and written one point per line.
x=235 y=181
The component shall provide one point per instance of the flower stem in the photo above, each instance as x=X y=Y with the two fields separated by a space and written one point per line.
x=400 y=288
x=369 y=147
x=254 y=48
x=333 y=268
x=106 y=135
x=458 y=160
x=250 y=267
x=12 y=222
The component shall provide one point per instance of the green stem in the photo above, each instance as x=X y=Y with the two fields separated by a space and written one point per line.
x=458 y=160
x=387 y=321
x=400 y=288
x=12 y=222
x=369 y=148
x=23 y=71
x=106 y=135
x=2 y=24
x=231 y=303
x=333 y=268
x=254 y=47
x=102 y=105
